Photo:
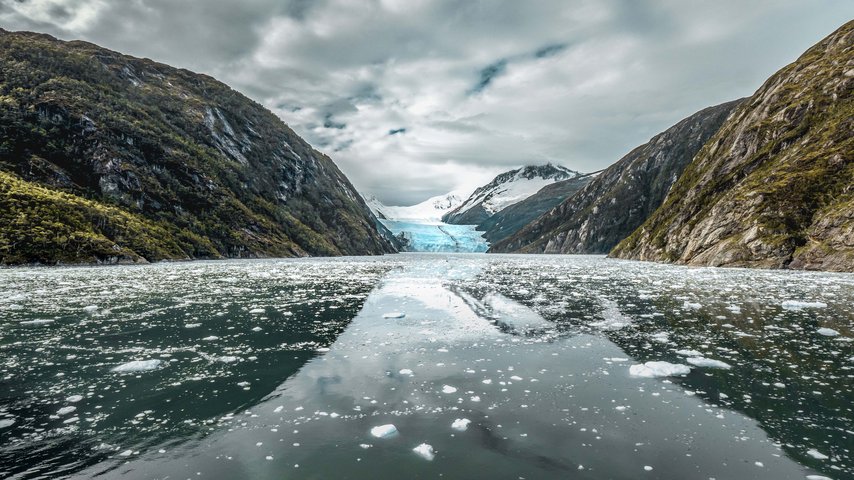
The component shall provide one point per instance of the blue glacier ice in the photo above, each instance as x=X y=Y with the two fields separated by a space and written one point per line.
x=438 y=237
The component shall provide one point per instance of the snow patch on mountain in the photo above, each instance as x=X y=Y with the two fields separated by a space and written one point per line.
x=512 y=187
x=430 y=210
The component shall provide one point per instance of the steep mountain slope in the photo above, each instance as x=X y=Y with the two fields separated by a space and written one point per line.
x=106 y=157
x=505 y=190
x=775 y=187
x=513 y=218
x=619 y=199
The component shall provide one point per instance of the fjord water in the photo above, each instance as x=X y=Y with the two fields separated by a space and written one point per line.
x=487 y=366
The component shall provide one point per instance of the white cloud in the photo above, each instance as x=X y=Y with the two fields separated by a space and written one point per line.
x=479 y=86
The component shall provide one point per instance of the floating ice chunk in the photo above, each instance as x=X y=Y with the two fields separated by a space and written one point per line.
x=816 y=454
x=278 y=409
x=257 y=310
x=210 y=338
x=658 y=369
x=192 y=325
x=799 y=305
x=72 y=420
x=689 y=353
x=516 y=378
x=425 y=451
x=65 y=410
x=257 y=329
x=6 y=422
x=138 y=366
x=708 y=362
x=91 y=309
x=612 y=317
x=126 y=453
x=780 y=385
x=818 y=477
x=365 y=445
x=394 y=315
x=692 y=306
x=827 y=332
x=660 y=337
x=227 y=359
x=647 y=468
x=461 y=424
x=449 y=389
x=384 y=431
x=405 y=371
x=37 y=322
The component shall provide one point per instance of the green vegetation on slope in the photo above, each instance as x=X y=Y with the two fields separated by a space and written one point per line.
x=773 y=187
x=175 y=148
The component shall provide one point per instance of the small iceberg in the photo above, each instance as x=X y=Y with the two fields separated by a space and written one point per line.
x=425 y=451
x=799 y=305
x=827 y=332
x=449 y=389
x=708 y=362
x=384 y=431
x=138 y=366
x=659 y=369
x=461 y=424
x=394 y=315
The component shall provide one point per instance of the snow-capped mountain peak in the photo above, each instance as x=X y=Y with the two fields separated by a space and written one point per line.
x=507 y=189
x=430 y=210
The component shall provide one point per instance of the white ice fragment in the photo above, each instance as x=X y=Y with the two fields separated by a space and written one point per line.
x=799 y=305
x=780 y=385
x=65 y=410
x=816 y=454
x=647 y=468
x=692 y=306
x=405 y=371
x=192 y=325
x=278 y=409
x=257 y=310
x=689 y=353
x=708 y=362
x=72 y=420
x=827 y=332
x=257 y=329
x=658 y=369
x=210 y=338
x=74 y=398
x=138 y=366
x=37 y=322
x=6 y=422
x=90 y=309
x=424 y=451
x=384 y=431
x=126 y=453
x=227 y=359
x=818 y=477
x=394 y=315
x=449 y=389
x=461 y=424
x=516 y=378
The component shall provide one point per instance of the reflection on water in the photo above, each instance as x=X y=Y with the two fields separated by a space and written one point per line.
x=486 y=366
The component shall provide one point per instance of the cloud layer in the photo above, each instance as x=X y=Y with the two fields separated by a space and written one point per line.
x=413 y=98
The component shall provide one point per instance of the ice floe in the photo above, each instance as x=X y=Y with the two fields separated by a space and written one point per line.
x=138 y=366
x=461 y=424
x=708 y=362
x=394 y=315
x=384 y=431
x=827 y=332
x=425 y=451
x=659 y=369
x=800 y=305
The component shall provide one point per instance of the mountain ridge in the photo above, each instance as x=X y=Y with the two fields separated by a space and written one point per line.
x=773 y=188
x=222 y=175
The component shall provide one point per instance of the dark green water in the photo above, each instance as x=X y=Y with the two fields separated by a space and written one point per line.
x=281 y=369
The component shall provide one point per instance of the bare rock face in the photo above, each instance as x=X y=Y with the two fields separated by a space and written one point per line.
x=774 y=188
x=621 y=197
x=129 y=157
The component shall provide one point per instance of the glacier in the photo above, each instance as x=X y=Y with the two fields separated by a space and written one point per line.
x=438 y=237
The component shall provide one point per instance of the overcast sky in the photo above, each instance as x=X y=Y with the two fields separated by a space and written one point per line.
x=414 y=98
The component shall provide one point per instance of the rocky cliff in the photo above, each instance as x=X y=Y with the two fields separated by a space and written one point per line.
x=775 y=186
x=515 y=217
x=110 y=158
x=620 y=198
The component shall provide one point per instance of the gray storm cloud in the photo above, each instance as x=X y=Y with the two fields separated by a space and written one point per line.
x=414 y=98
